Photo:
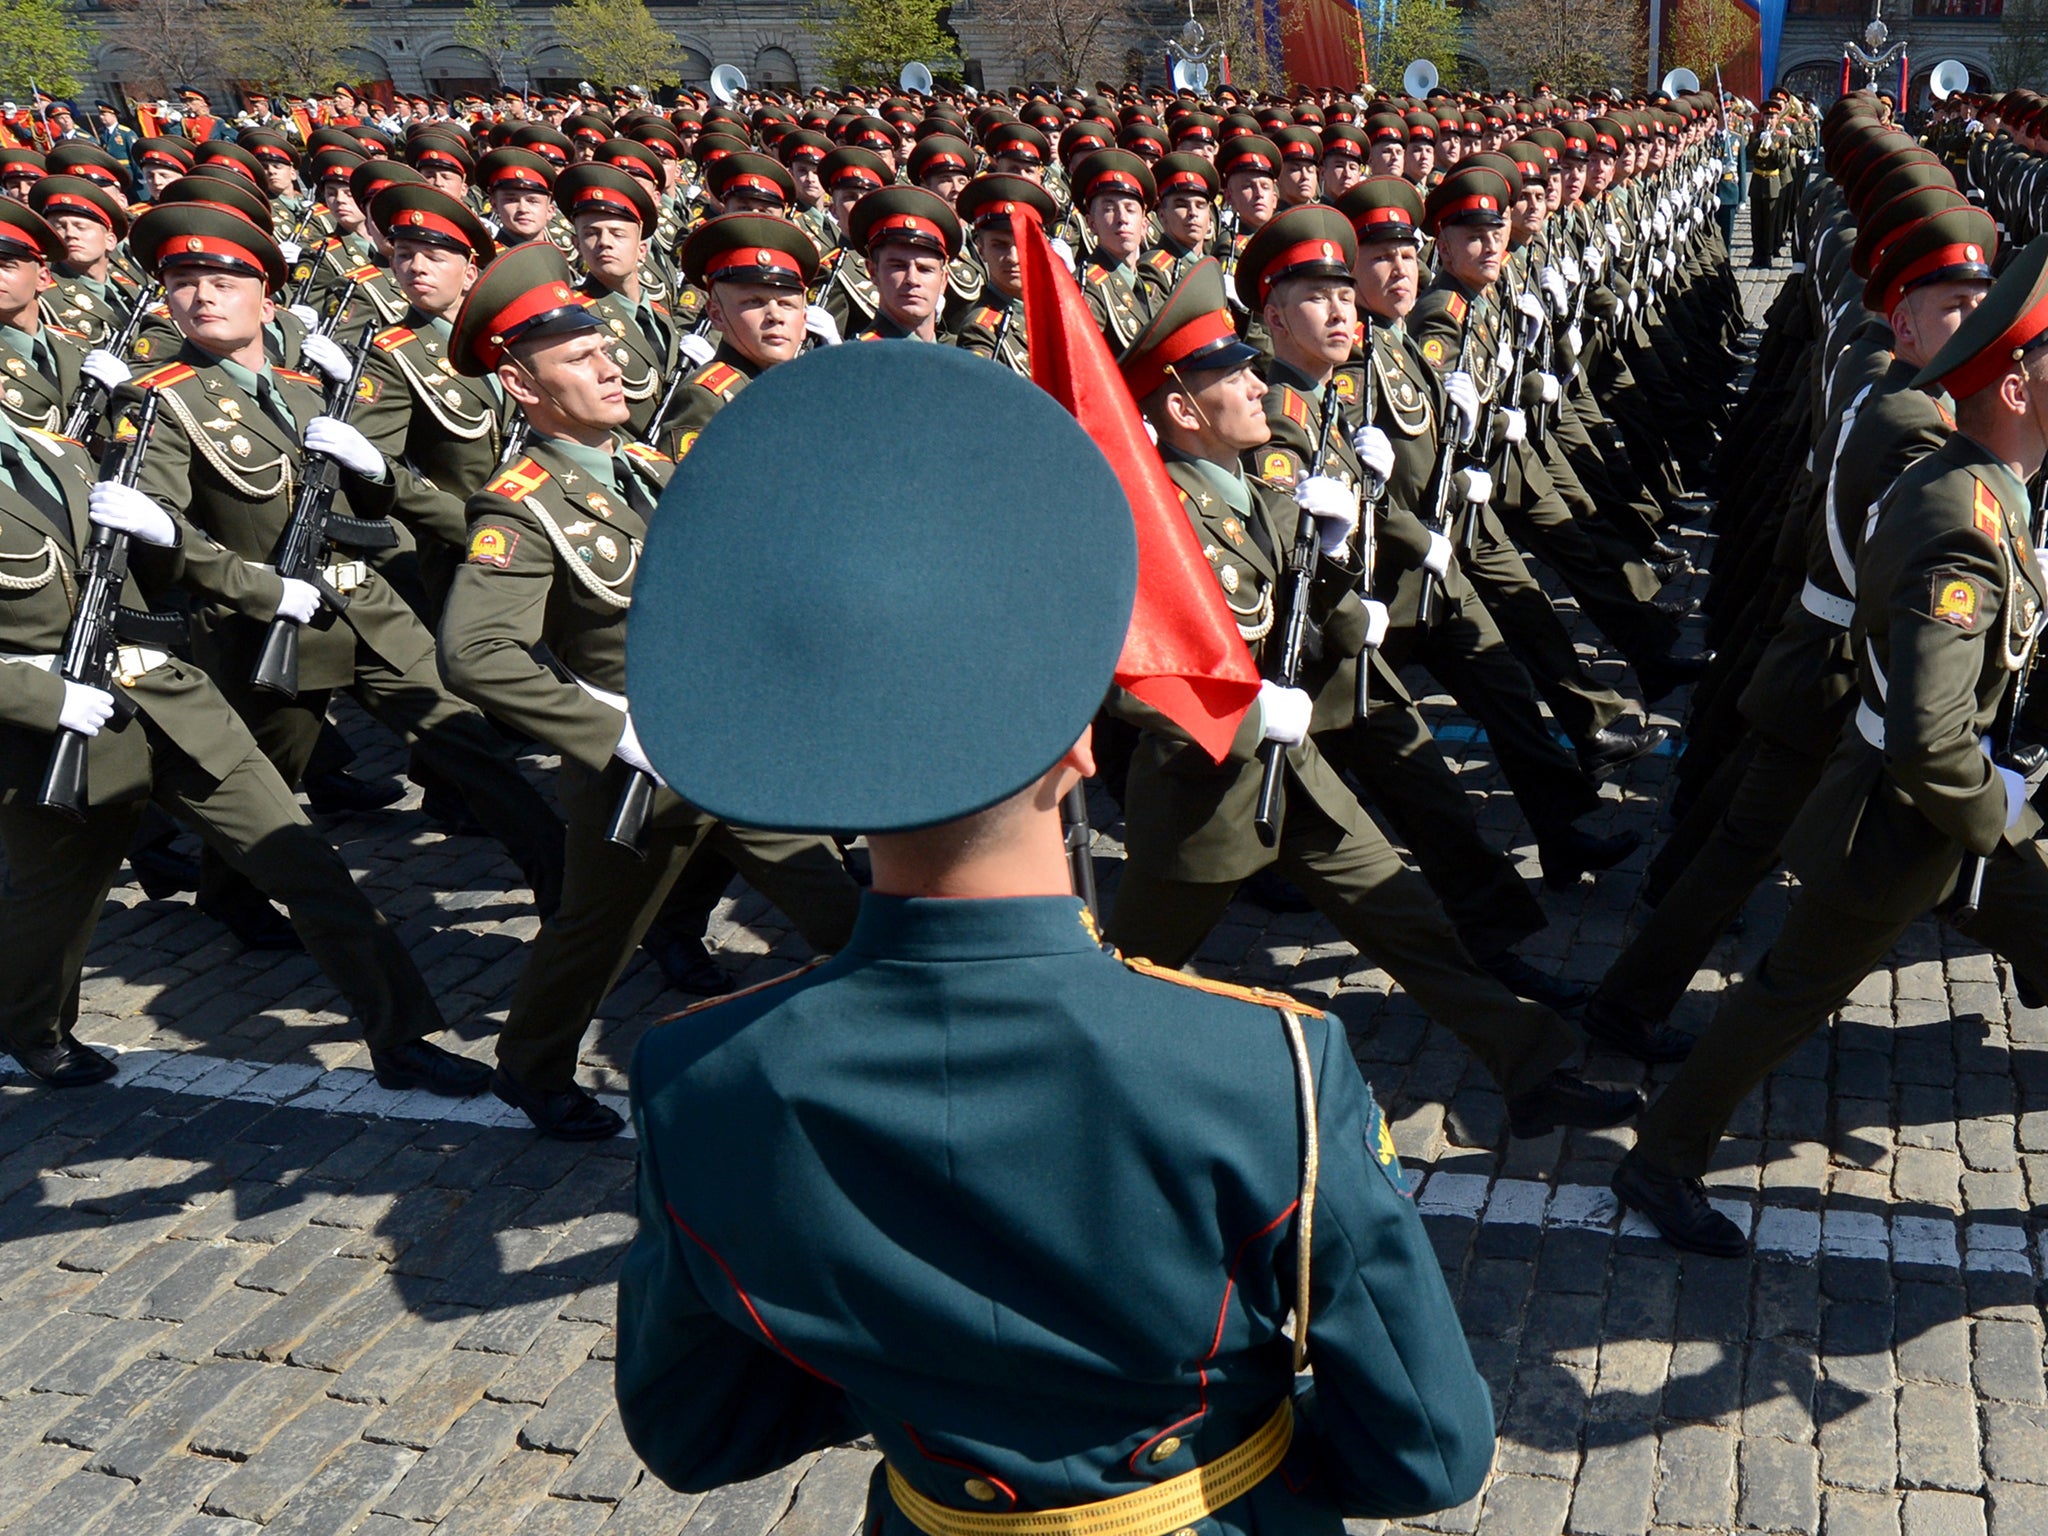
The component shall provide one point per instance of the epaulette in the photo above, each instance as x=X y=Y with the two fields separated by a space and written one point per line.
x=986 y=317
x=1987 y=512
x=520 y=480
x=1258 y=995
x=1457 y=306
x=364 y=273
x=1294 y=405
x=719 y=378
x=397 y=336
x=65 y=330
x=647 y=455
x=303 y=378
x=1159 y=259
x=760 y=986
x=166 y=376
x=52 y=437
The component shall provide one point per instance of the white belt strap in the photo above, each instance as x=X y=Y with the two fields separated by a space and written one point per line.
x=40 y=663
x=1870 y=725
x=1822 y=604
x=1845 y=563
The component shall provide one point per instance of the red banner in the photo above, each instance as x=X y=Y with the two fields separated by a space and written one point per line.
x=1321 y=44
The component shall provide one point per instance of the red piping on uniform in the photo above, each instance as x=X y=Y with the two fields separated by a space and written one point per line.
x=746 y=1301
x=965 y=1466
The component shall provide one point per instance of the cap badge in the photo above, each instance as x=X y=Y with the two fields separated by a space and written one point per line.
x=764 y=258
x=194 y=243
x=1972 y=253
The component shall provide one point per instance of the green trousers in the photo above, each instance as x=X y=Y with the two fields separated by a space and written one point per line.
x=59 y=873
x=610 y=895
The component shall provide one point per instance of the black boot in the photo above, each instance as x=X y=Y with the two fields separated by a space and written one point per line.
x=570 y=1114
x=1564 y=1098
x=1524 y=980
x=341 y=793
x=1677 y=1207
x=66 y=1062
x=1579 y=852
x=1609 y=1024
x=161 y=873
x=1616 y=746
x=243 y=911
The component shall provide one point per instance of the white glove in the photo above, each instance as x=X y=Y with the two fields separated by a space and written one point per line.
x=301 y=600
x=105 y=369
x=289 y=249
x=1478 y=487
x=1552 y=282
x=1575 y=338
x=1333 y=506
x=1549 y=385
x=127 y=510
x=1596 y=258
x=2015 y=793
x=818 y=322
x=86 y=709
x=1376 y=621
x=1660 y=225
x=1613 y=234
x=1530 y=305
x=1463 y=395
x=327 y=355
x=1375 y=453
x=1635 y=302
x=307 y=315
x=1064 y=251
x=1437 y=558
x=1514 y=426
x=1570 y=266
x=346 y=446
x=630 y=752
x=1283 y=714
x=701 y=349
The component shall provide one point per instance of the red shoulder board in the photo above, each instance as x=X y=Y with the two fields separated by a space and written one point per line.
x=303 y=378
x=1986 y=512
x=1160 y=261
x=986 y=318
x=1457 y=306
x=1294 y=406
x=397 y=336
x=647 y=455
x=719 y=378
x=65 y=330
x=522 y=478
x=165 y=377
x=364 y=273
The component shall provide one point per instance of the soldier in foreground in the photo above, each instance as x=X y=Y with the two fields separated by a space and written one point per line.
x=932 y=1099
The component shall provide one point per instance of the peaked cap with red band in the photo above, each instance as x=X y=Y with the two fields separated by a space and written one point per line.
x=1471 y=194
x=1997 y=335
x=1314 y=240
x=1383 y=208
x=1193 y=332
x=749 y=248
x=181 y=234
x=987 y=201
x=591 y=189
x=525 y=294
x=526 y=169
x=1112 y=170
x=1954 y=245
x=55 y=195
x=413 y=211
x=904 y=215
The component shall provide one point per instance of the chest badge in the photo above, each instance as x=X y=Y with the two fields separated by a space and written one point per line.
x=453 y=396
x=606 y=547
x=231 y=410
x=238 y=445
x=576 y=530
x=17 y=367
x=1229 y=577
x=1233 y=530
x=599 y=505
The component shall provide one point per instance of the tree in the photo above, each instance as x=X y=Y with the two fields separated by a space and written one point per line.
x=495 y=32
x=867 y=42
x=619 y=42
x=1240 y=26
x=2020 y=56
x=296 y=46
x=1418 y=29
x=173 y=42
x=41 y=43
x=1707 y=34
x=1575 y=45
x=1070 y=42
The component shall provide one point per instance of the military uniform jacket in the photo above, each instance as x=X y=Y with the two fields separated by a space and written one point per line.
x=39 y=581
x=646 y=369
x=231 y=474
x=1113 y=299
x=1948 y=608
x=1046 y=1239
x=342 y=259
x=847 y=291
x=995 y=329
x=708 y=391
x=31 y=397
x=1804 y=686
x=95 y=314
x=1190 y=817
x=440 y=430
x=551 y=563
x=1770 y=162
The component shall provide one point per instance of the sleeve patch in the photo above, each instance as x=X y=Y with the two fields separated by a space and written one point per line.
x=1277 y=468
x=1433 y=349
x=1956 y=599
x=1346 y=386
x=491 y=545
x=367 y=389
x=1379 y=1141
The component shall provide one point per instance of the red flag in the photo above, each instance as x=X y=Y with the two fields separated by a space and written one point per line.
x=1183 y=655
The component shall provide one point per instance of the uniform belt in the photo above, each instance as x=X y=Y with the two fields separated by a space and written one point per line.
x=40 y=663
x=1822 y=604
x=131 y=662
x=1870 y=725
x=1157 y=1511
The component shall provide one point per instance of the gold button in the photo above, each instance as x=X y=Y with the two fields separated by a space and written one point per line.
x=979 y=1491
x=1165 y=1448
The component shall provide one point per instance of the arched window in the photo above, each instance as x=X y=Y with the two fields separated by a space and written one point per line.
x=453 y=70
x=773 y=66
x=695 y=66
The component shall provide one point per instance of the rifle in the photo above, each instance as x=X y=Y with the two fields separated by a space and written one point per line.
x=1002 y=331
x=98 y=625
x=1075 y=831
x=314 y=528
x=1301 y=566
x=92 y=394
x=668 y=398
x=1371 y=488
x=1446 y=466
x=515 y=441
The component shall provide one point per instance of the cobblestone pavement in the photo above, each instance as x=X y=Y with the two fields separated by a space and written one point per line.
x=245 y=1289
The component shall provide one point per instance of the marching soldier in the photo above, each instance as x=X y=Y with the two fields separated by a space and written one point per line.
x=1108 y=1098
x=1188 y=821
x=1114 y=193
x=182 y=749
x=995 y=327
x=225 y=460
x=611 y=217
x=909 y=238
x=535 y=631
x=849 y=174
x=91 y=296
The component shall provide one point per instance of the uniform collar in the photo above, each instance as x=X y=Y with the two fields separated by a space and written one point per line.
x=1286 y=373
x=1227 y=483
x=1005 y=928
x=599 y=465
x=247 y=380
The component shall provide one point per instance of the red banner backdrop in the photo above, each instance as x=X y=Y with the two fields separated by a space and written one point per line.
x=1321 y=44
